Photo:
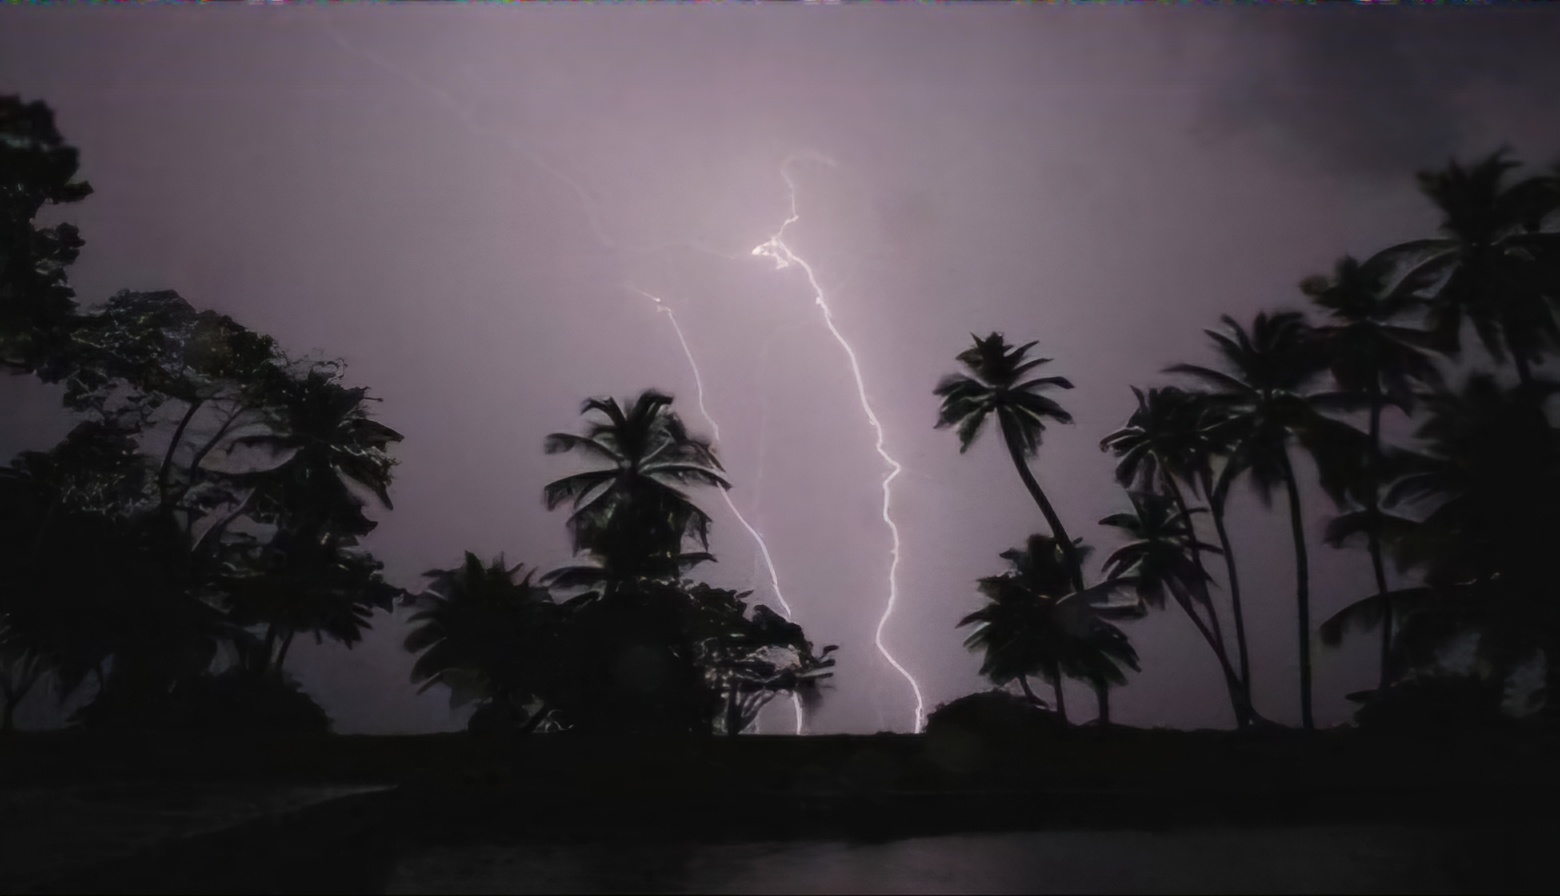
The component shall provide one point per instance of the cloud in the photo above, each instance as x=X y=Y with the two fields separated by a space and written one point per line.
x=1363 y=92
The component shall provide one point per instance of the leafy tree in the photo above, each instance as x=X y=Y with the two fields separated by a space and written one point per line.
x=752 y=655
x=998 y=388
x=1035 y=624
x=37 y=305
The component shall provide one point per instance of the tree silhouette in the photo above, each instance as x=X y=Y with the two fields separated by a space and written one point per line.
x=752 y=656
x=632 y=514
x=1161 y=558
x=1489 y=470
x=998 y=388
x=37 y=305
x=1262 y=397
x=1035 y=624
x=1494 y=265
x=1169 y=440
x=1370 y=354
x=489 y=634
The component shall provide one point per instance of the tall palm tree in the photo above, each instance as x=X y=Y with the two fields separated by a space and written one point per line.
x=1493 y=266
x=1262 y=393
x=1035 y=624
x=632 y=512
x=1168 y=441
x=1489 y=474
x=1160 y=559
x=1372 y=355
x=997 y=387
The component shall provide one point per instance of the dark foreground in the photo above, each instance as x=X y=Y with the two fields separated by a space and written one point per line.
x=1484 y=804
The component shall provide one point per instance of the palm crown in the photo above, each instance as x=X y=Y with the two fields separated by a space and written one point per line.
x=633 y=511
x=998 y=387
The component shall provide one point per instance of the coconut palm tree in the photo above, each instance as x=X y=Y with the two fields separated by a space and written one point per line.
x=1372 y=355
x=489 y=634
x=1489 y=473
x=1160 y=560
x=997 y=387
x=1035 y=624
x=1494 y=264
x=1262 y=394
x=633 y=513
x=1169 y=440
x=326 y=443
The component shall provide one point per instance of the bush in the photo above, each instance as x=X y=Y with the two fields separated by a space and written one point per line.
x=961 y=732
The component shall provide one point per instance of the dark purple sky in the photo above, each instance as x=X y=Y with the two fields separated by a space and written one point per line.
x=457 y=200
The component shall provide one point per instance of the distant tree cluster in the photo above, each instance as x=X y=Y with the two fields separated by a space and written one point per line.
x=205 y=509
x=635 y=647
x=1465 y=509
x=208 y=507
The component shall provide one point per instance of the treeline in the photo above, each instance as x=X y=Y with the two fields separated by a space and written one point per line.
x=208 y=508
x=209 y=505
x=1466 y=509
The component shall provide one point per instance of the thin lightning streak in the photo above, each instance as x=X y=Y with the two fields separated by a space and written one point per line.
x=763 y=547
x=776 y=249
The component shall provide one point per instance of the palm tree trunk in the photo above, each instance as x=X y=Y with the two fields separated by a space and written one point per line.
x=1069 y=550
x=1102 y=697
x=1302 y=590
x=1023 y=684
x=1216 y=506
x=1061 y=699
x=1191 y=543
x=1373 y=495
x=1240 y=701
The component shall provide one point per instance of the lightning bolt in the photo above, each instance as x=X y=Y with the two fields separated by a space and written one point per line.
x=758 y=539
x=776 y=249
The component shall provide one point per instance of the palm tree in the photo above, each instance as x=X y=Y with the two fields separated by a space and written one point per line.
x=1169 y=440
x=632 y=513
x=1489 y=471
x=1371 y=355
x=998 y=387
x=326 y=439
x=1160 y=559
x=1035 y=624
x=1262 y=395
x=488 y=633
x=1494 y=263
x=297 y=583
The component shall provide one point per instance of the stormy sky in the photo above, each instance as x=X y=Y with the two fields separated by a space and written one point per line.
x=466 y=202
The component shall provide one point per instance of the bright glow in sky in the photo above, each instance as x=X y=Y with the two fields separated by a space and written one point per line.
x=453 y=197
